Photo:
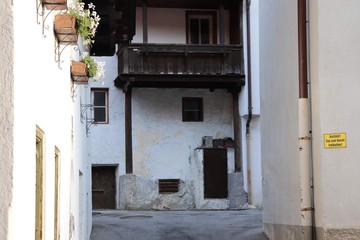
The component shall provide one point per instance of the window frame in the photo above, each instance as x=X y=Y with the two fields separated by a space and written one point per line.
x=199 y=15
x=201 y=110
x=57 y=190
x=106 y=107
x=40 y=189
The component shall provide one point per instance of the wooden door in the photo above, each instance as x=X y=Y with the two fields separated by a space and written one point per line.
x=215 y=173
x=103 y=187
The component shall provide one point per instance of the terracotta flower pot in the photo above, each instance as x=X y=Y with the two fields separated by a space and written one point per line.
x=65 y=29
x=79 y=73
x=55 y=4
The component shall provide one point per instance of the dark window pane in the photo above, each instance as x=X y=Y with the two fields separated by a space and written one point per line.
x=99 y=99
x=192 y=116
x=194 y=30
x=192 y=109
x=99 y=114
x=192 y=105
x=205 y=31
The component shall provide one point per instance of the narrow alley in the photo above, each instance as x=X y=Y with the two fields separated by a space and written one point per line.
x=163 y=225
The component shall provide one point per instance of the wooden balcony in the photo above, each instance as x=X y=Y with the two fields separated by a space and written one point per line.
x=181 y=66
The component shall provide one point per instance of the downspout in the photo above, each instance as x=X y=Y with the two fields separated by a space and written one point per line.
x=249 y=117
x=248 y=44
x=305 y=161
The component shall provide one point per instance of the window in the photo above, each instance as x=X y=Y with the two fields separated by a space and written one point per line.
x=100 y=104
x=201 y=27
x=192 y=109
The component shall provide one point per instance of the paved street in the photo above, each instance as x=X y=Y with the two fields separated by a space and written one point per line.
x=177 y=225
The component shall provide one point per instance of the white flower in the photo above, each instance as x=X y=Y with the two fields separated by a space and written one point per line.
x=100 y=72
x=87 y=20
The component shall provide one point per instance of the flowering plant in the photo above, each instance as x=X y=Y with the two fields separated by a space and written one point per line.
x=94 y=68
x=87 y=21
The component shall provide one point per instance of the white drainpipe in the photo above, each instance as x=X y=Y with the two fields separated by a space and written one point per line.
x=305 y=156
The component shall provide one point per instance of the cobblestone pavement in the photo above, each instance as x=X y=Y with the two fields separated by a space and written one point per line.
x=177 y=225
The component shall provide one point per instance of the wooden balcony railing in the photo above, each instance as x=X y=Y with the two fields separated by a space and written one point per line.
x=178 y=59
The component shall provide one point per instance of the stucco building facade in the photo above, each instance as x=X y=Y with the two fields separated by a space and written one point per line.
x=43 y=175
x=309 y=185
x=150 y=73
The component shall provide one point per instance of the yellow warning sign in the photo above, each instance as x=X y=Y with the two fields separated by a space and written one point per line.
x=335 y=140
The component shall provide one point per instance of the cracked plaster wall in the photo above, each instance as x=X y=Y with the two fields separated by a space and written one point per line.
x=164 y=146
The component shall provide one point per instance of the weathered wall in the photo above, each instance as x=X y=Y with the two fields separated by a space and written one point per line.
x=279 y=118
x=164 y=144
x=7 y=113
x=335 y=85
x=162 y=127
x=139 y=192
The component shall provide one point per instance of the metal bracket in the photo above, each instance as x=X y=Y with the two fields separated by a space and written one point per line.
x=84 y=118
x=73 y=89
x=59 y=51
x=40 y=12
x=84 y=108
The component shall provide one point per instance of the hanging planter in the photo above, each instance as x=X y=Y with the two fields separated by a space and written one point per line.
x=65 y=29
x=79 y=73
x=55 y=4
x=87 y=68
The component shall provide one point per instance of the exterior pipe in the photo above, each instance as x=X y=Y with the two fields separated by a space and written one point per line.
x=306 y=201
x=249 y=117
x=248 y=43
x=310 y=125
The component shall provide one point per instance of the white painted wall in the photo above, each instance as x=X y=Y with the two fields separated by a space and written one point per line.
x=107 y=140
x=163 y=144
x=334 y=93
x=166 y=25
x=251 y=144
x=279 y=115
x=335 y=84
x=7 y=113
x=43 y=98
x=80 y=169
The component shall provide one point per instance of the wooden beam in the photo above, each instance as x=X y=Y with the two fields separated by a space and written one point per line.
x=221 y=24
x=128 y=133
x=237 y=132
x=145 y=21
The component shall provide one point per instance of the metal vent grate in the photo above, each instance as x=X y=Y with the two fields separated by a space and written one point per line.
x=169 y=185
